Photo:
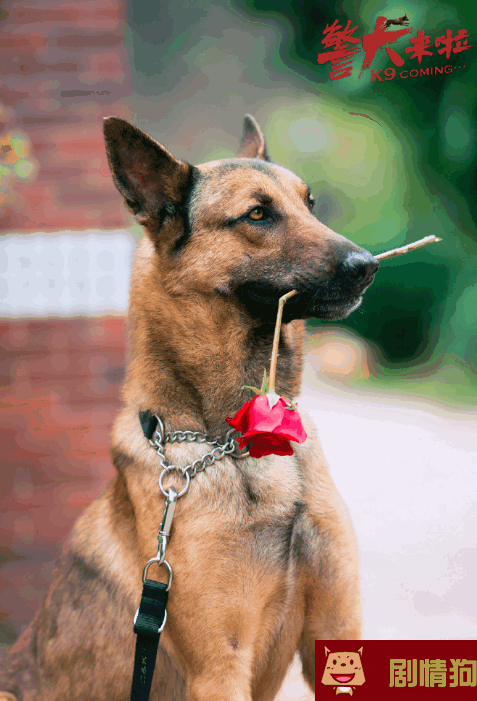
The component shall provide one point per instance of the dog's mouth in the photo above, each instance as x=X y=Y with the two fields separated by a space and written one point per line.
x=261 y=301
x=264 y=293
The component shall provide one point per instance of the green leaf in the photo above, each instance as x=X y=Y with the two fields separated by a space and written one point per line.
x=264 y=389
x=254 y=389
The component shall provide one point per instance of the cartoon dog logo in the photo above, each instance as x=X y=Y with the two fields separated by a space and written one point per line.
x=343 y=670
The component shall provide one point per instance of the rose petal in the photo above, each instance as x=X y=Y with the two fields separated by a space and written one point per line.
x=241 y=420
x=269 y=444
x=268 y=430
x=278 y=419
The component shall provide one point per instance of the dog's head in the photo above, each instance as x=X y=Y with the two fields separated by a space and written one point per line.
x=242 y=228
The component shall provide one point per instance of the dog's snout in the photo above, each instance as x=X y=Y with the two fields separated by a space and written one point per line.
x=360 y=266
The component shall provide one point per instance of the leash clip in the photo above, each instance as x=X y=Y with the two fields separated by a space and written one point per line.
x=166 y=525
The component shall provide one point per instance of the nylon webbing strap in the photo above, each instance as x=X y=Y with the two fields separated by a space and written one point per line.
x=150 y=618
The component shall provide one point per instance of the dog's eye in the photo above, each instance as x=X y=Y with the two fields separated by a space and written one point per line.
x=257 y=214
x=311 y=202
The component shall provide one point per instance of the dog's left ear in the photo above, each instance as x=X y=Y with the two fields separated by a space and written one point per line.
x=149 y=178
x=253 y=143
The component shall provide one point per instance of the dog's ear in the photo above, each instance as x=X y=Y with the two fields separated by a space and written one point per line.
x=149 y=178
x=253 y=143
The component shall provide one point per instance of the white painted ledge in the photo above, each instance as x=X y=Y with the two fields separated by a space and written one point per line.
x=65 y=274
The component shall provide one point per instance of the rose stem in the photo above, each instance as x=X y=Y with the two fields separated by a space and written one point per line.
x=276 y=338
x=409 y=247
x=282 y=300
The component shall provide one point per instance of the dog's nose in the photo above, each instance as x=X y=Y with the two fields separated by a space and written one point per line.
x=360 y=266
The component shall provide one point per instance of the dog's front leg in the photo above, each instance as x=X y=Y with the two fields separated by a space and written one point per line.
x=80 y=646
x=219 y=683
x=332 y=607
x=329 y=554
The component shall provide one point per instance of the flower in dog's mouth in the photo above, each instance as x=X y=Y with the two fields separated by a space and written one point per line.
x=269 y=423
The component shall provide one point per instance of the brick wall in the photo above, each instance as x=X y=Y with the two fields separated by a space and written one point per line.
x=63 y=67
x=59 y=393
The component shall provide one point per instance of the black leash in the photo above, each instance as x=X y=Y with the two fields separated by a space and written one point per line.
x=149 y=622
x=151 y=615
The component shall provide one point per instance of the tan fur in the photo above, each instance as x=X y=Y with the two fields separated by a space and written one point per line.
x=263 y=552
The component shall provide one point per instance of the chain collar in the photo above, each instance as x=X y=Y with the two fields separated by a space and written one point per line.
x=160 y=438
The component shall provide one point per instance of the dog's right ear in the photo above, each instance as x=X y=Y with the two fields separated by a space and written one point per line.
x=149 y=178
x=253 y=142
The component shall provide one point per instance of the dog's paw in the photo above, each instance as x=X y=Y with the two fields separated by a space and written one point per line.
x=7 y=696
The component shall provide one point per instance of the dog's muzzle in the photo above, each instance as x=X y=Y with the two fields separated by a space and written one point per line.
x=325 y=296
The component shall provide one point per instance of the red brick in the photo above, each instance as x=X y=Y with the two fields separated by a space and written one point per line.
x=26 y=42
x=37 y=194
x=77 y=366
x=13 y=97
x=86 y=197
x=82 y=39
x=30 y=15
x=57 y=334
x=60 y=172
x=11 y=220
x=29 y=66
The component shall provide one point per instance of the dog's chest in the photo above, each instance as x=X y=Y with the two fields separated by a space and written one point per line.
x=272 y=483
x=257 y=503
x=237 y=508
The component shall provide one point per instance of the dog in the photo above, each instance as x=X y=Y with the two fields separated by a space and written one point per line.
x=400 y=21
x=263 y=553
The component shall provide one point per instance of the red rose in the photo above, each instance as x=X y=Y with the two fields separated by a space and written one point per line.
x=268 y=423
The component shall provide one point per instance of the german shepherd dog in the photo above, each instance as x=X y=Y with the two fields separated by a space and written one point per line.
x=263 y=553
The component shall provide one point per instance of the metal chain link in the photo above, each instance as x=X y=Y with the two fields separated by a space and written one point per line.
x=160 y=438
